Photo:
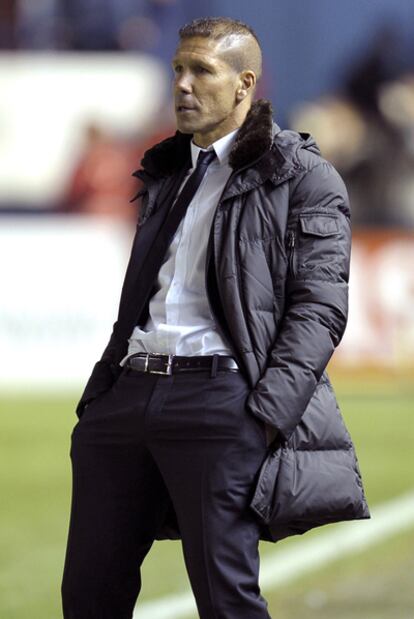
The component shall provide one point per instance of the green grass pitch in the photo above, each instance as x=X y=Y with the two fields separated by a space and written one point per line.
x=35 y=501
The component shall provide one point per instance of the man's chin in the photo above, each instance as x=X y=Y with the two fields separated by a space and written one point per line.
x=185 y=127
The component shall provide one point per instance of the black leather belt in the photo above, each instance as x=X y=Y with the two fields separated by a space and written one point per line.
x=170 y=364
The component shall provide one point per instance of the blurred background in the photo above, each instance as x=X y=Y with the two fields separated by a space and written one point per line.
x=84 y=91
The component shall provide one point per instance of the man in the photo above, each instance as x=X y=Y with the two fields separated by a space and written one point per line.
x=234 y=299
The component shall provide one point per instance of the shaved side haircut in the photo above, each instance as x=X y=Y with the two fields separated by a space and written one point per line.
x=240 y=44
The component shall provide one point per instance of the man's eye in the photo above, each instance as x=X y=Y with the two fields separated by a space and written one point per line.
x=177 y=69
x=202 y=70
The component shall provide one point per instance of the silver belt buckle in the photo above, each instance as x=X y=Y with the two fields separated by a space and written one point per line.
x=167 y=372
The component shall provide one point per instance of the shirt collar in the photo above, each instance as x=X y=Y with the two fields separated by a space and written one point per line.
x=222 y=147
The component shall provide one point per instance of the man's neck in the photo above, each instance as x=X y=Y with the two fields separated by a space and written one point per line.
x=204 y=140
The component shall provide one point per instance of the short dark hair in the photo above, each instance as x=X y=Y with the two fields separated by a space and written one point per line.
x=221 y=28
x=216 y=28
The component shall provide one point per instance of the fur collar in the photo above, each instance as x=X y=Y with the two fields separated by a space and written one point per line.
x=254 y=138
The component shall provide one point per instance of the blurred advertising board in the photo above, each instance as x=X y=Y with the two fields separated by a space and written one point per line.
x=60 y=283
x=61 y=279
x=50 y=101
x=380 y=329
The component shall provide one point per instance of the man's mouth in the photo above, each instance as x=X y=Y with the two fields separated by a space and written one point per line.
x=184 y=109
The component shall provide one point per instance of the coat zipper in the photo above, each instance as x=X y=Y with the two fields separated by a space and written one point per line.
x=225 y=337
x=292 y=246
x=242 y=301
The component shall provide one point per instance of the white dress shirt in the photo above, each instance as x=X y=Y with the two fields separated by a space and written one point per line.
x=180 y=320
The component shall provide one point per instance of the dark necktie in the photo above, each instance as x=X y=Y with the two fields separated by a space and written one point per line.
x=179 y=209
x=176 y=214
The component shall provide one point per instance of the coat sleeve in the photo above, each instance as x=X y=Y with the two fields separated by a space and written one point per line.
x=315 y=316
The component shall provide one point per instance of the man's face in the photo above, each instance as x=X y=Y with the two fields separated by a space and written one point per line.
x=204 y=90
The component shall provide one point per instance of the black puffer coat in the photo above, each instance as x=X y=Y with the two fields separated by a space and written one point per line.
x=277 y=281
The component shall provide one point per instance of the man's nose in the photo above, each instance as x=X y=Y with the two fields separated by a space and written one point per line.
x=183 y=83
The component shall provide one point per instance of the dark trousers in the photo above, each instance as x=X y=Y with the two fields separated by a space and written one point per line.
x=187 y=436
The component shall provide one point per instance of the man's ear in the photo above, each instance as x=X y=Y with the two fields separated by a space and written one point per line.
x=247 y=83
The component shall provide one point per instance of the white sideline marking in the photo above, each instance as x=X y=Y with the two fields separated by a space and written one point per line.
x=288 y=564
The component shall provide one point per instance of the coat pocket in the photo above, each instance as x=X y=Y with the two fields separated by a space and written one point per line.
x=311 y=245
x=319 y=224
